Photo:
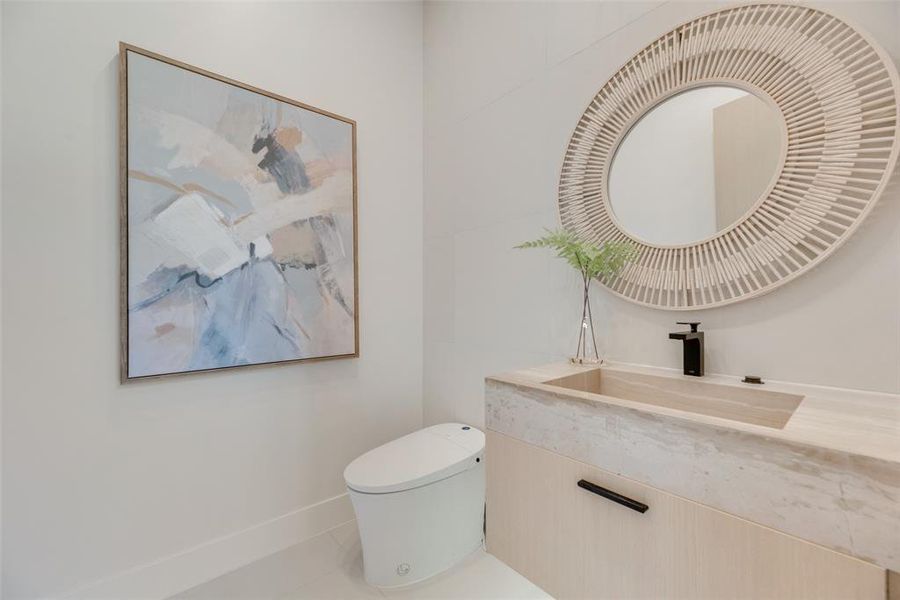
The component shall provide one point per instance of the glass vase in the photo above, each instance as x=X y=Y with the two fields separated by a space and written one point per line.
x=587 y=352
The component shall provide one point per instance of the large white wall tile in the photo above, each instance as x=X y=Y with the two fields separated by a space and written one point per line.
x=501 y=171
x=499 y=289
x=573 y=26
x=440 y=377
x=478 y=51
x=455 y=375
x=440 y=176
x=439 y=289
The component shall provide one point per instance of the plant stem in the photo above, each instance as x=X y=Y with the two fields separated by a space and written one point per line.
x=587 y=296
x=579 y=349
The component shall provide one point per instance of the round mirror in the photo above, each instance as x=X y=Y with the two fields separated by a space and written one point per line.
x=695 y=164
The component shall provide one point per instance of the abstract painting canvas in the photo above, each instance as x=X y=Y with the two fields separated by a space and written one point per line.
x=238 y=223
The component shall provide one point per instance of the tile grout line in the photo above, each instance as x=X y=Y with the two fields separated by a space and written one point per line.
x=611 y=33
x=521 y=217
x=336 y=567
x=547 y=66
x=340 y=545
x=333 y=529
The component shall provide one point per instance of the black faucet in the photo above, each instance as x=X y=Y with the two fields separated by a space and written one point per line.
x=693 y=348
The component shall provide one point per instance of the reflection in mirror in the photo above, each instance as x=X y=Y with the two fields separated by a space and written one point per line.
x=694 y=164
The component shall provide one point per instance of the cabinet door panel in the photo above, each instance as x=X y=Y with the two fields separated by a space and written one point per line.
x=530 y=520
x=576 y=544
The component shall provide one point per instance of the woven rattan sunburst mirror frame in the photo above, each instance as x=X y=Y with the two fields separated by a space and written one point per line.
x=837 y=92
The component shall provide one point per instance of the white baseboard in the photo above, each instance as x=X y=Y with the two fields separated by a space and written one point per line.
x=181 y=571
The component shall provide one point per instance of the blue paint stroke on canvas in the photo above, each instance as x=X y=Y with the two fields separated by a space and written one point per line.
x=240 y=226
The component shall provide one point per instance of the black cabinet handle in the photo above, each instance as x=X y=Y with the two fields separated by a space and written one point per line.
x=611 y=495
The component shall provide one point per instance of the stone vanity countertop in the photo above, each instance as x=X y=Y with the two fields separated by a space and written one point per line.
x=830 y=474
x=851 y=421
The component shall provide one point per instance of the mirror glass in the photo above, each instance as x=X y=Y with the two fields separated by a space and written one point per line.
x=694 y=164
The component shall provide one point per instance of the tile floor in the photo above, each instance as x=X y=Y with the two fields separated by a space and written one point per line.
x=329 y=567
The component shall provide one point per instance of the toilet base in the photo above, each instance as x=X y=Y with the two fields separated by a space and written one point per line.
x=413 y=583
x=412 y=535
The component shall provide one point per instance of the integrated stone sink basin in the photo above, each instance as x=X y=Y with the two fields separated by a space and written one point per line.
x=746 y=403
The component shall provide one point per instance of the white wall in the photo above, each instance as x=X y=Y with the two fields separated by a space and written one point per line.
x=505 y=84
x=99 y=478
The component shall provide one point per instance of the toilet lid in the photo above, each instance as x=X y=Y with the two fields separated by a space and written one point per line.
x=417 y=459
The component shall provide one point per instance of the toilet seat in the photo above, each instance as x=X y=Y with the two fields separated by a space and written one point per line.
x=417 y=459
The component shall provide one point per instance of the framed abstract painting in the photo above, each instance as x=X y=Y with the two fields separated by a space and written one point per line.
x=238 y=223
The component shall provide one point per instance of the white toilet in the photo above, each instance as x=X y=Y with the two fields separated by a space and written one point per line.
x=419 y=503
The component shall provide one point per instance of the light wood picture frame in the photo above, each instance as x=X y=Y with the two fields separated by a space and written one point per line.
x=837 y=92
x=238 y=223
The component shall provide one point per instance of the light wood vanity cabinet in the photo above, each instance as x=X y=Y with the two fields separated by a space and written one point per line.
x=576 y=544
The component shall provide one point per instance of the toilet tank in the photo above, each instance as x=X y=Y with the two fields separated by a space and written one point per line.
x=419 y=503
